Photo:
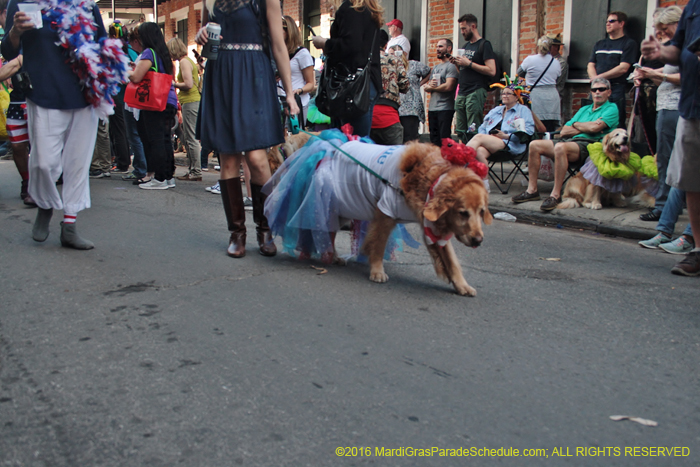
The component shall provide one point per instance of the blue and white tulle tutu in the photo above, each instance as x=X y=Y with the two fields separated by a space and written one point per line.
x=301 y=207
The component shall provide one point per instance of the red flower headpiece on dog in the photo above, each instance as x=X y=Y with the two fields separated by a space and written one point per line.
x=459 y=154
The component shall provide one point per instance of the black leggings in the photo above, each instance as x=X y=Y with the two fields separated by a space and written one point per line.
x=154 y=131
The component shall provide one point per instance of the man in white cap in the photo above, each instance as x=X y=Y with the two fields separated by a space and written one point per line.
x=397 y=37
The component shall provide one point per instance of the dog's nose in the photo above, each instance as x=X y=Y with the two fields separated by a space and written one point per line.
x=625 y=140
x=476 y=241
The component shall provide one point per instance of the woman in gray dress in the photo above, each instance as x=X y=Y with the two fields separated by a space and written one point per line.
x=541 y=70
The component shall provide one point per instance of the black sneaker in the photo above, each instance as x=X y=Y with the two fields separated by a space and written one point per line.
x=651 y=216
x=690 y=266
x=99 y=174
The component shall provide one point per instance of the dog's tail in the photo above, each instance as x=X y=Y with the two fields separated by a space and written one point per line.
x=569 y=203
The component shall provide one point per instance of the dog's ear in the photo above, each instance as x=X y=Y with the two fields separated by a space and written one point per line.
x=434 y=209
x=606 y=138
x=488 y=218
x=414 y=155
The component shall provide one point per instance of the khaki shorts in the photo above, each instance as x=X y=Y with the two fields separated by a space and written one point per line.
x=583 y=149
x=684 y=167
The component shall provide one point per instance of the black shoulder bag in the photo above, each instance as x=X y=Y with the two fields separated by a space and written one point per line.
x=342 y=93
x=530 y=88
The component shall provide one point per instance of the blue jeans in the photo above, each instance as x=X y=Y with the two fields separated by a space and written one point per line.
x=362 y=124
x=132 y=134
x=673 y=209
x=666 y=121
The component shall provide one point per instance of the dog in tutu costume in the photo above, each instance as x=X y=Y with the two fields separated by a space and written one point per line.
x=335 y=178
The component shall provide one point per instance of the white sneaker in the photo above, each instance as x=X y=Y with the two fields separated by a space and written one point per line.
x=171 y=182
x=214 y=189
x=154 y=184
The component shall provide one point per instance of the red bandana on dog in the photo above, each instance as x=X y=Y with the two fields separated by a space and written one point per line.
x=431 y=237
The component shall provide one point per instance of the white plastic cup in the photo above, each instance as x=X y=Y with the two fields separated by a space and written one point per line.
x=33 y=10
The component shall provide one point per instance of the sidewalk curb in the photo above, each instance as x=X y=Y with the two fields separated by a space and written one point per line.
x=545 y=219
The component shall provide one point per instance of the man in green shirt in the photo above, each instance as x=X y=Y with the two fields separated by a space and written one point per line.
x=589 y=125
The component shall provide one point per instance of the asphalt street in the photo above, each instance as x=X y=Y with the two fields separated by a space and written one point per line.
x=156 y=349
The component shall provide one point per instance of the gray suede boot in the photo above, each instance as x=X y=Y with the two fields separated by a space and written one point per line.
x=71 y=239
x=40 y=231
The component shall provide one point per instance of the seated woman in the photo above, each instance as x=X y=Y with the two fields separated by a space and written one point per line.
x=506 y=127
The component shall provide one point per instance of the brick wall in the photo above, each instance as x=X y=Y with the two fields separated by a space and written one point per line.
x=194 y=20
x=665 y=3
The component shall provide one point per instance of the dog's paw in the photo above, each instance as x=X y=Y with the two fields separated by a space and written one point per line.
x=596 y=206
x=378 y=276
x=465 y=289
x=339 y=261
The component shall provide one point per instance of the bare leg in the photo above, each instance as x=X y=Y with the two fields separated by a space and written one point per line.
x=246 y=176
x=537 y=148
x=259 y=174
x=485 y=145
x=564 y=153
x=20 y=154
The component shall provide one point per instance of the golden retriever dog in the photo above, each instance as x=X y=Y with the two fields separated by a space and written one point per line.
x=277 y=154
x=458 y=207
x=448 y=201
x=580 y=192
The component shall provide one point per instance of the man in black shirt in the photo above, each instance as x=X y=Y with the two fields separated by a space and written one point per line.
x=476 y=67
x=612 y=59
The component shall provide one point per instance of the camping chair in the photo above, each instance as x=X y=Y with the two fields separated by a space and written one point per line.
x=503 y=176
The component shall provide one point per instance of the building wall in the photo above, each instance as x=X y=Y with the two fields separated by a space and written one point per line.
x=194 y=19
x=541 y=16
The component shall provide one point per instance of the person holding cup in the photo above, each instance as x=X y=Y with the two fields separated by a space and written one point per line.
x=441 y=86
x=239 y=110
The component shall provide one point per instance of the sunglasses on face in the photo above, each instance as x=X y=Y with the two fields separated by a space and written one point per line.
x=611 y=21
x=599 y=89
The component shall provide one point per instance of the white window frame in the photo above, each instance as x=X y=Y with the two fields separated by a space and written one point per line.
x=179 y=15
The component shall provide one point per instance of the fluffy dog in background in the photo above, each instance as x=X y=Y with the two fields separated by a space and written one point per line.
x=580 y=192
x=277 y=154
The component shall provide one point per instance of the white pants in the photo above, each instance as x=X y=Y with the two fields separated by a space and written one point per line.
x=62 y=142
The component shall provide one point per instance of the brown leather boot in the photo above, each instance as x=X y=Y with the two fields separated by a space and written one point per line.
x=232 y=196
x=265 y=240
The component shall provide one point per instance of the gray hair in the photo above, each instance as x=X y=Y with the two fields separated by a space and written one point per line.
x=602 y=81
x=543 y=45
x=668 y=15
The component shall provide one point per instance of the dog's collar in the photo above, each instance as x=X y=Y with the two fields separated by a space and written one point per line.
x=431 y=237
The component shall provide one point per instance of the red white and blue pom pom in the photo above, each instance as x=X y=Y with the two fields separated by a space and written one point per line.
x=101 y=66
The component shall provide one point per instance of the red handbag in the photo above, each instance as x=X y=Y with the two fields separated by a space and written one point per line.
x=151 y=93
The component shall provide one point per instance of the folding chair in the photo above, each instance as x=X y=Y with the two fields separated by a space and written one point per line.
x=503 y=175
